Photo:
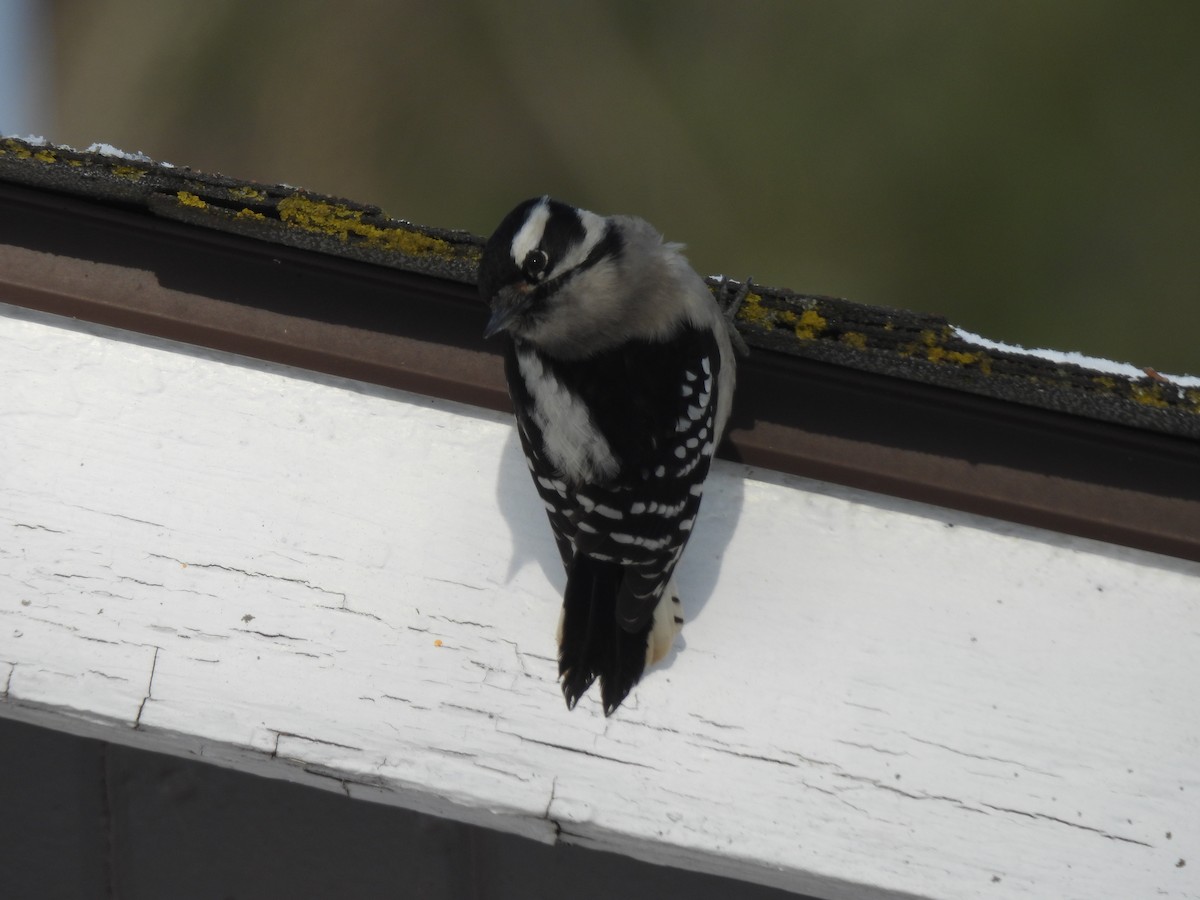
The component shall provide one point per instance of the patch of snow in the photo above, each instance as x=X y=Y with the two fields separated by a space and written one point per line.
x=36 y=140
x=1095 y=363
x=110 y=150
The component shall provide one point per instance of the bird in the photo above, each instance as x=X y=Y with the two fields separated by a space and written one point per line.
x=620 y=367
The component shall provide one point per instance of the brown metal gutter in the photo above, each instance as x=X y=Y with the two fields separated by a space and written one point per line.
x=117 y=265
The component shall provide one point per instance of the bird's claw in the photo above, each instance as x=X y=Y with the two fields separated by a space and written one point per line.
x=731 y=294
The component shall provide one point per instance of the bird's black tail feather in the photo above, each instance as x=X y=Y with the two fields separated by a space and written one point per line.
x=593 y=644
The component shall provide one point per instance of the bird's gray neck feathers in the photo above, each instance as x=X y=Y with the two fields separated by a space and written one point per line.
x=648 y=291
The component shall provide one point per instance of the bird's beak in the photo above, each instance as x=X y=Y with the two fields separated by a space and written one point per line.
x=507 y=305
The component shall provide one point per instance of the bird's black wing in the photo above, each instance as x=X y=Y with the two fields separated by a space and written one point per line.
x=656 y=405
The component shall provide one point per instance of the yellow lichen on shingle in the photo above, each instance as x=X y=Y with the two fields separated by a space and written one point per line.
x=1149 y=395
x=342 y=222
x=247 y=213
x=187 y=198
x=753 y=312
x=18 y=150
x=131 y=173
x=931 y=347
x=808 y=325
x=245 y=192
x=855 y=339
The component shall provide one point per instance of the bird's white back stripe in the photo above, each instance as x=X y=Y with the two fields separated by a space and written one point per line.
x=573 y=444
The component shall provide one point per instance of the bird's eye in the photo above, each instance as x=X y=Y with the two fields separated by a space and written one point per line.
x=535 y=264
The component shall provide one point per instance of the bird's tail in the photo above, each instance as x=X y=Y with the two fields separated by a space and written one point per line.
x=593 y=645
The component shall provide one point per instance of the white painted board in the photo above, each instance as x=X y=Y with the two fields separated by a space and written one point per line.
x=315 y=579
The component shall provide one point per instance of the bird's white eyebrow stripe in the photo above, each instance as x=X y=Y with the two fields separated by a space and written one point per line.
x=531 y=232
x=594 y=229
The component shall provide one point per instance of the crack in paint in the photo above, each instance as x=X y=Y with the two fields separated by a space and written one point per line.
x=1046 y=817
x=137 y=722
x=249 y=573
x=312 y=740
x=979 y=756
x=37 y=528
x=579 y=750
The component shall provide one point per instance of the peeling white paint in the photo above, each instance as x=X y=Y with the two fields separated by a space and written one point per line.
x=319 y=580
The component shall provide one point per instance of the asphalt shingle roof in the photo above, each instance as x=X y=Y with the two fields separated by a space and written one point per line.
x=891 y=342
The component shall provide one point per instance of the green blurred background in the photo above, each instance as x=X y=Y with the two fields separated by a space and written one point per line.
x=1030 y=169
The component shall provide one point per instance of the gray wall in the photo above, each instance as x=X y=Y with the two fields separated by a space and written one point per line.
x=83 y=819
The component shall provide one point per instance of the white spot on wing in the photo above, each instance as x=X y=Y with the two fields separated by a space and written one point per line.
x=648 y=543
x=668 y=511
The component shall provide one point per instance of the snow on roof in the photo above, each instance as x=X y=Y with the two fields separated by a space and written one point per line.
x=1073 y=358
x=115 y=153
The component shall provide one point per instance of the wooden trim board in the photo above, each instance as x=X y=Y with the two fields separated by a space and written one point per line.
x=352 y=586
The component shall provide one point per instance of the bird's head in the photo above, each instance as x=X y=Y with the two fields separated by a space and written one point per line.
x=553 y=276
